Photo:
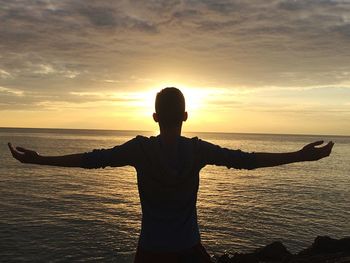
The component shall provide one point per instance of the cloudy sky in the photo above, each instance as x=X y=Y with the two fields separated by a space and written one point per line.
x=269 y=66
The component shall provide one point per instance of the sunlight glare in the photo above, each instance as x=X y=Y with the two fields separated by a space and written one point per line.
x=195 y=97
x=199 y=103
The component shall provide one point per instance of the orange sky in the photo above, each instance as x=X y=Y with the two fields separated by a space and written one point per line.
x=244 y=66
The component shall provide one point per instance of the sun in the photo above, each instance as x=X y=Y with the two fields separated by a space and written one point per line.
x=195 y=97
x=198 y=104
x=202 y=104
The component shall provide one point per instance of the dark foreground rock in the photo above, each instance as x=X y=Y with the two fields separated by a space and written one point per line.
x=324 y=249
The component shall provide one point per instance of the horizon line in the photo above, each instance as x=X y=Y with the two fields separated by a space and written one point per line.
x=215 y=132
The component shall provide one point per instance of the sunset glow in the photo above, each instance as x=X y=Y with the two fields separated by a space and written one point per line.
x=251 y=66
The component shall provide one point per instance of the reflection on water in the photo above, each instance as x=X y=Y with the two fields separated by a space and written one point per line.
x=55 y=214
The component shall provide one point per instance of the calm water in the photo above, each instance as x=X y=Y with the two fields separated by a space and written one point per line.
x=59 y=214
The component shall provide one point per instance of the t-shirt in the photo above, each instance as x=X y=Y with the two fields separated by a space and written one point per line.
x=168 y=184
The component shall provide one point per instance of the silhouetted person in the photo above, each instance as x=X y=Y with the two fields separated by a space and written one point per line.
x=168 y=168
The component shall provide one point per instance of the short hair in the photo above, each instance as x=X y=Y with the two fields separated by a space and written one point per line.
x=170 y=107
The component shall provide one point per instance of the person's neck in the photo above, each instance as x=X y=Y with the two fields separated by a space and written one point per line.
x=169 y=136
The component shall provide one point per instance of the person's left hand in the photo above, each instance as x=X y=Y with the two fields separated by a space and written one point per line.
x=311 y=153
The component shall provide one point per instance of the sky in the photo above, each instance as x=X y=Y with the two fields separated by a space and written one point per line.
x=271 y=66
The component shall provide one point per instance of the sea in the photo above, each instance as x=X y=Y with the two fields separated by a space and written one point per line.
x=52 y=214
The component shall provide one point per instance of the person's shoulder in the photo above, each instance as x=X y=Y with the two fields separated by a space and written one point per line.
x=204 y=143
x=145 y=139
x=189 y=139
x=140 y=137
x=194 y=141
x=136 y=140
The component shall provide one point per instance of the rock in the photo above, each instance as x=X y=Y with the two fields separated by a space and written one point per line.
x=225 y=258
x=323 y=250
x=244 y=258
x=327 y=245
x=275 y=251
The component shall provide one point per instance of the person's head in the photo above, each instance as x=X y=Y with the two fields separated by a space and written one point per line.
x=170 y=108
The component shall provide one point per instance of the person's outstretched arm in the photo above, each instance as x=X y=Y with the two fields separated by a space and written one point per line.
x=308 y=153
x=120 y=155
x=216 y=155
x=29 y=156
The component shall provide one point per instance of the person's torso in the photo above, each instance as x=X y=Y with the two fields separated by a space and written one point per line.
x=168 y=180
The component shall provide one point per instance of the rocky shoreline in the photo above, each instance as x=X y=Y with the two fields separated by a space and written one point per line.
x=323 y=249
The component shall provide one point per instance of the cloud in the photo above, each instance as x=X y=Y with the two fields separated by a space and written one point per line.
x=4 y=74
x=11 y=91
x=105 y=16
x=100 y=16
x=54 y=47
x=48 y=69
x=299 y=5
x=342 y=30
x=44 y=69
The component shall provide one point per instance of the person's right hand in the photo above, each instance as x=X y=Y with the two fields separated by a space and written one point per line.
x=23 y=155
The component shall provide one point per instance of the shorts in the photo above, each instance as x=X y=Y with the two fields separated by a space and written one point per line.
x=195 y=254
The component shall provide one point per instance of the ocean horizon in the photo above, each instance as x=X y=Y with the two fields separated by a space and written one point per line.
x=53 y=129
x=55 y=214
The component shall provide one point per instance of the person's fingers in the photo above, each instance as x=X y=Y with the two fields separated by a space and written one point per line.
x=12 y=149
x=21 y=149
x=14 y=152
x=10 y=145
x=330 y=144
x=329 y=147
x=326 y=150
x=313 y=144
